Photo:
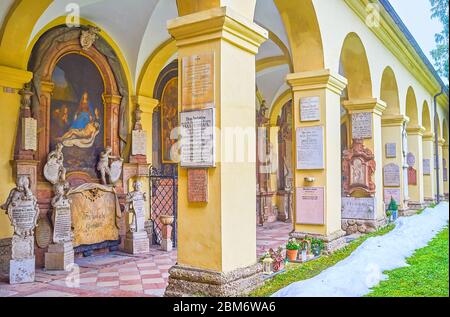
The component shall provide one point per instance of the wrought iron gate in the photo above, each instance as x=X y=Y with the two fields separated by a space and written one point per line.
x=164 y=200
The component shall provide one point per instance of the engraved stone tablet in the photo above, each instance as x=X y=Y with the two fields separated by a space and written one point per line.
x=412 y=176
x=410 y=159
x=62 y=231
x=310 y=148
x=358 y=208
x=392 y=193
x=197 y=84
x=139 y=142
x=24 y=215
x=426 y=167
x=310 y=205
x=198 y=138
x=198 y=185
x=29 y=134
x=310 y=109
x=43 y=233
x=391 y=175
x=362 y=125
x=391 y=150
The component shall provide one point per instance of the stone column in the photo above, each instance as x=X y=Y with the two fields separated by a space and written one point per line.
x=429 y=176
x=217 y=239
x=415 y=188
x=445 y=169
x=375 y=107
x=326 y=88
x=112 y=106
x=441 y=169
x=392 y=126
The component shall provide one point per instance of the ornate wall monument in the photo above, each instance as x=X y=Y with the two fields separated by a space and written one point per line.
x=23 y=212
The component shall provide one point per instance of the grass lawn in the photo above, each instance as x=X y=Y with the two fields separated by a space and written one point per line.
x=427 y=275
x=298 y=272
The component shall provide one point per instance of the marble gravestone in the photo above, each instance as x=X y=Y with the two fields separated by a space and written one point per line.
x=362 y=125
x=310 y=109
x=310 y=148
x=391 y=150
x=136 y=240
x=426 y=167
x=23 y=212
x=391 y=175
x=358 y=208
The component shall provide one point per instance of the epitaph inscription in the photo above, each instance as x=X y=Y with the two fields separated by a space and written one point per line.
x=198 y=138
x=139 y=142
x=310 y=154
x=391 y=175
x=358 y=208
x=362 y=125
x=29 y=134
x=391 y=150
x=412 y=176
x=197 y=82
x=390 y=193
x=198 y=185
x=62 y=231
x=310 y=205
x=310 y=109
x=426 y=167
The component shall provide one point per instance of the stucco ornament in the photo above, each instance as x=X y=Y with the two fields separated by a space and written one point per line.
x=88 y=37
x=54 y=169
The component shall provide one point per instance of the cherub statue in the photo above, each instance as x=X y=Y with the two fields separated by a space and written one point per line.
x=132 y=197
x=104 y=167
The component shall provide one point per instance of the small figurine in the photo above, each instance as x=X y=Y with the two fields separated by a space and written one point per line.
x=113 y=171
x=134 y=204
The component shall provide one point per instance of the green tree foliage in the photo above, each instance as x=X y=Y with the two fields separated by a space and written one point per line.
x=439 y=11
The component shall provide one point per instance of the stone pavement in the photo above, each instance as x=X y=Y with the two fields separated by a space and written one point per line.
x=122 y=275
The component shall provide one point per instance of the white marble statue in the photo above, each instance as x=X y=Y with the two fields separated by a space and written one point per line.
x=111 y=171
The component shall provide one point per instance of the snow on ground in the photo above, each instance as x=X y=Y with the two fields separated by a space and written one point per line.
x=362 y=270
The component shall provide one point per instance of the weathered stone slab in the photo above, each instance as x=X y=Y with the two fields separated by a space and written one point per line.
x=362 y=125
x=310 y=205
x=358 y=208
x=310 y=148
x=391 y=150
x=391 y=175
x=22 y=271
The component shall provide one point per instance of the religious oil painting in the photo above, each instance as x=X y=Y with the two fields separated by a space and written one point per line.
x=169 y=120
x=77 y=113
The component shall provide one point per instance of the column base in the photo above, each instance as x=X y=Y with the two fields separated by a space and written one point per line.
x=363 y=226
x=332 y=242
x=167 y=245
x=137 y=243
x=22 y=271
x=414 y=205
x=59 y=257
x=186 y=281
x=429 y=201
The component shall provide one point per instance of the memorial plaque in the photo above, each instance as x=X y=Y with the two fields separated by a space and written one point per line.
x=391 y=150
x=197 y=82
x=198 y=185
x=62 y=231
x=392 y=193
x=310 y=109
x=310 y=206
x=412 y=176
x=362 y=125
x=358 y=208
x=310 y=148
x=29 y=134
x=426 y=167
x=43 y=233
x=411 y=159
x=139 y=142
x=198 y=138
x=23 y=215
x=445 y=173
x=391 y=175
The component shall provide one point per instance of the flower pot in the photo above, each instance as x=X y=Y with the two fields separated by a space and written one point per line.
x=292 y=255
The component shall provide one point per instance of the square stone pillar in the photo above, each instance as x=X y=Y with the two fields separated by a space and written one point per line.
x=391 y=128
x=441 y=169
x=217 y=239
x=445 y=170
x=325 y=87
x=429 y=176
x=415 y=147
x=376 y=108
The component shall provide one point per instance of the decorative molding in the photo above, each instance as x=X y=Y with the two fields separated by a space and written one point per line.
x=147 y=104
x=428 y=136
x=374 y=105
x=13 y=77
x=313 y=80
x=394 y=120
x=416 y=130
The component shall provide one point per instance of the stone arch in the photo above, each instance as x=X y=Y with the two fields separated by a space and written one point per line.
x=354 y=66
x=426 y=117
x=303 y=31
x=389 y=92
x=412 y=111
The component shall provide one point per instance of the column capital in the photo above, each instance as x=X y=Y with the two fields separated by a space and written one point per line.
x=428 y=136
x=47 y=87
x=393 y=120
x=112 y=99
x=13 y=77
x=374 y=105
x=146 y=103
x=416 y=130
x=441 y=142
x=218 y=23
x=320 y=79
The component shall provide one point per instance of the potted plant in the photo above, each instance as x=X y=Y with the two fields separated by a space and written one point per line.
x=317 y=247
x=278 y=259
x=292 y=248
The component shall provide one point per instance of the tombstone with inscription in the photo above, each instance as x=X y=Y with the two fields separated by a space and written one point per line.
x=391 y=150
x=138 y=139
x=136 y=240
x=358 y=168
x=54 y=168
x=391 y=175
x=60 y=254
x=23 y=212
x=426 y=167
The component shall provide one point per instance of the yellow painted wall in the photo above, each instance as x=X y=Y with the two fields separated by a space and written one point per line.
x=429 y=181
x=416 y=192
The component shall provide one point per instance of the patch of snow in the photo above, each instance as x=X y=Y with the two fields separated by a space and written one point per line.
x=363 y=269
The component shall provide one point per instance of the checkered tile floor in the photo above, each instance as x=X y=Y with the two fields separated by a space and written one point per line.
x=121 y=275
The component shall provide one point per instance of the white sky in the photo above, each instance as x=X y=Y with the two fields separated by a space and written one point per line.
x=416 y=14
